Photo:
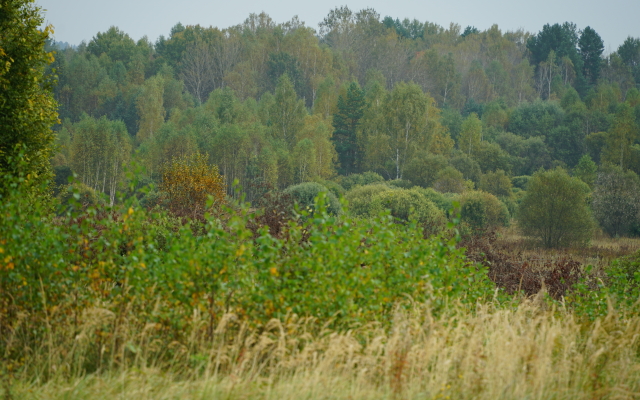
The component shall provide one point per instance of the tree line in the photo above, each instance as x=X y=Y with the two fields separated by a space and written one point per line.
x=278 y=104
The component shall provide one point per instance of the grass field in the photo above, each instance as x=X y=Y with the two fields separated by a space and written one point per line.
x=526 y=352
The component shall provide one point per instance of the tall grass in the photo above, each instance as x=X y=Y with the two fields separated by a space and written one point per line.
x=527 y=352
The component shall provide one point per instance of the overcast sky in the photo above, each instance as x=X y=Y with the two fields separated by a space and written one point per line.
x=78 y=20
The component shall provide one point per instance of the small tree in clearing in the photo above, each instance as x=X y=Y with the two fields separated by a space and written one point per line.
x=554 y=209
x=187 y=183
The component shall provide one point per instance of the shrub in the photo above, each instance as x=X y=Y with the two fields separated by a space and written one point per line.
x=422 y=169
x=450 y=180
x=615 y=203
x=554 y=209
x=365 y=178
x=496 y=183
x=305 y=193
x=334 y=187
x=360 y=198
x=468 y=166
x=406 y=205
x=401 y=183
x=81 y=194
x=187 y=183
x=443 y=201
x=482 y=210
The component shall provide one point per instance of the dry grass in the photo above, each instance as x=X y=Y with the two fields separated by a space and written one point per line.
x=599 y=253
x=529 y=352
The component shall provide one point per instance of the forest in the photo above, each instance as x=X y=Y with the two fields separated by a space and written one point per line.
x=376 y=208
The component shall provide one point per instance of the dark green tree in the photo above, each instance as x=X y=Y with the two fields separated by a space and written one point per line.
x=554 y=209
x=284 y=63
x=591 y=48
x=563 y=41
x=114 y=43
x=615 y=200
x=586 y=170
x=345 y=122
x=27 y=108
x=629 y=51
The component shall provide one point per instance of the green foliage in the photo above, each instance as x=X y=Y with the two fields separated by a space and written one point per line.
x=618 y=292
x=591 y=48
x=409 y=205
x=441 y=200
x=586 y=170
x=468 y=166
x=535 y=119
x=482 y=211
x=345 y=121
x=360 y=197
x=366 y=178
x=348 y=271
x=615 y=200
x=401 y=183
x=554 y=209
x=450 y=180
x=27 y=107
x=305 y=194
x=496 y=183
x=79 y=194
x=423 y=169
x=520 y=182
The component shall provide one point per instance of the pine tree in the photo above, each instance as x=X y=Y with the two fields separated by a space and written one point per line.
x=345 y=122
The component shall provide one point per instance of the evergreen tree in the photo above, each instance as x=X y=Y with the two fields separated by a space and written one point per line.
x=345 y=122
x=591 y=48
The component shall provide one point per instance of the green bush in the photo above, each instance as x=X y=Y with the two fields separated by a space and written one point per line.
x=423 y=168
x=450 y=180
x=405 y=205
x=345 y=271
x=305 y=193
x=444 y=201
x=79 y=194
x=554 y=210
x=496 y=183
x=360 y=198
x=365 y=178
x=482 y=210
x=334 y=187
x=401 y=183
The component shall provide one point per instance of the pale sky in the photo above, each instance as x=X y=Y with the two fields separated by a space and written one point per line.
x=78 y=20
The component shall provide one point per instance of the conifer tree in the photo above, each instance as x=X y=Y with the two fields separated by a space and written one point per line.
x=345 y=122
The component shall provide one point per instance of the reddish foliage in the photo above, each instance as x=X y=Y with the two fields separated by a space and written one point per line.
x=515 y=272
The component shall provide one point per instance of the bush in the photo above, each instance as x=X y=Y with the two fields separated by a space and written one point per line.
x=187 y=183
x=496 y=183
x=444 y=201
x=80 y=194
x=360 y=198
x=305 y=194
x=482 y=211
x=554 y=209
x=366 y=178
x=422 y=169
x=468 y=166
x=450 y=180
x=615 y=203
x=334 y=187
x=400 y=183
x=406 y=205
